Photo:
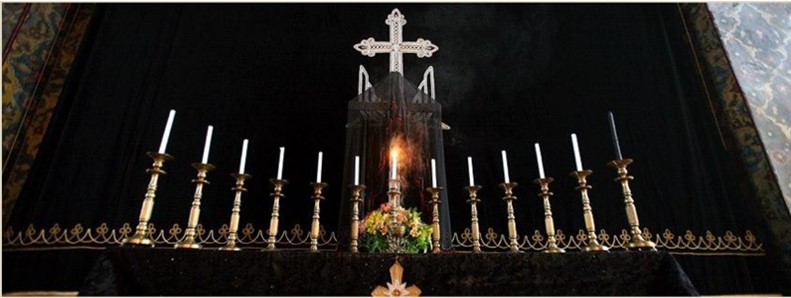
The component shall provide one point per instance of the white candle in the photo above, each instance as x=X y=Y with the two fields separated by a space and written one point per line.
x=280 y=164
x=356 y=170
x=433 y=173
x=469 y=167
x=205 y=158
x=244 y=157
x=540 y=162
x=577 y=157
x=318 y=171
x=393 y=164
x=505 y=167
x=166 y=136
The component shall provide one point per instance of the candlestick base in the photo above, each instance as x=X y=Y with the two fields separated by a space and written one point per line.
x=595 y=246
x=138 y=240
x=554 y=249
x=188 y=244
x=641 y=244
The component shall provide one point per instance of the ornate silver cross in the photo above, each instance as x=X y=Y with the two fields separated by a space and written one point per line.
x=396 y=46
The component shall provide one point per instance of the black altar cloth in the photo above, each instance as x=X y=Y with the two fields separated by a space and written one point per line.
x=165 y=271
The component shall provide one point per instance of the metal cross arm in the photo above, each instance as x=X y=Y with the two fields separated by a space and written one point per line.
x=370 y=47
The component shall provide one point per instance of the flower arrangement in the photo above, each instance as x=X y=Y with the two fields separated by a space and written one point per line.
x=376 y=226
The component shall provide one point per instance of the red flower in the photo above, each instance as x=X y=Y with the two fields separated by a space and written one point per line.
x=385 y=207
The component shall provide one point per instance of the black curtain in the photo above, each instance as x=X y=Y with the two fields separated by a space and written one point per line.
x=507 y=76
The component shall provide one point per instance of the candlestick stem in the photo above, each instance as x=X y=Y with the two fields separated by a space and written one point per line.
x=394 y=193
x=473 y=200
x=509 y=198
x=549 y=222
x=141 y=236
x=355 y=229
x=435 y=231
x=276 y=194
x=314 y=227
x=236 y=210
x=590 y=225
x=192 y=222
x=395 y=231
x=637 y=240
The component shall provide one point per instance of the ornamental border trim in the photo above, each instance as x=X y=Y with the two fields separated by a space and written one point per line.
x=56 y=238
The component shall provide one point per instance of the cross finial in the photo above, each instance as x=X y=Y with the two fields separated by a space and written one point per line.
x=396 y=46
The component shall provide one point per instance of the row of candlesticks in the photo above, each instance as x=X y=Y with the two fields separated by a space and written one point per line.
x=141 y=236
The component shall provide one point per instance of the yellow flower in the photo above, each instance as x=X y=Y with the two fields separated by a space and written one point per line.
x=414 y=232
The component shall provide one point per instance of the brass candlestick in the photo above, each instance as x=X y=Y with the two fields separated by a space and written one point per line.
x=509 y=199
x=435 y=233
x=395 y=231
x=192 y=222
x=314 y=227
x=549 y=223
x=637 y=241
x=356 y=200
x=141 y=236
x=476 y=234
x=237 y=208
x=273 y=223
x=590 y=226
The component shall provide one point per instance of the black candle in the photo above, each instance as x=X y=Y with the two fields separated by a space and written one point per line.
x=614 y=136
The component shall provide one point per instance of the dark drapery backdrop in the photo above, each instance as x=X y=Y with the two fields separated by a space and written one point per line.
x=507 y=76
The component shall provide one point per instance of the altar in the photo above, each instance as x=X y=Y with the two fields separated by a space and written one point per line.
x=445 y=178
x=137 y=271
x=394 y=140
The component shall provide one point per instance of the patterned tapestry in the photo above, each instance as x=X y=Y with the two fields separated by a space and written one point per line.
x=38 y=52
x=758 y=44
x=12 y=14
x=752 y=91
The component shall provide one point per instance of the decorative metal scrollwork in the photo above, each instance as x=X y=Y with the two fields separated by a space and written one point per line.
x=57 y=236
